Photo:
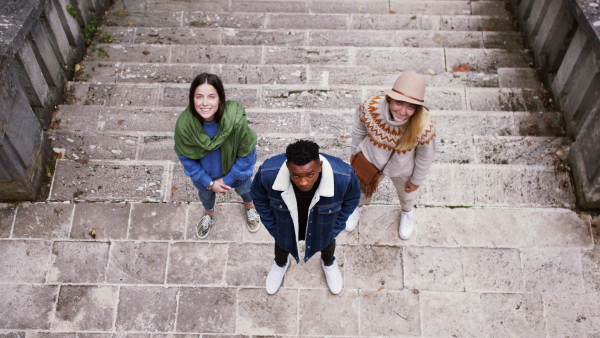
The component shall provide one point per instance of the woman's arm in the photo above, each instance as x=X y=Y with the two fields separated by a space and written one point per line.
x=359 y=131
x=424 y=155
x=242 y=168
x=193 y=168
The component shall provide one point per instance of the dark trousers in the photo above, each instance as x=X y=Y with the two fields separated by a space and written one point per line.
x=327 y=254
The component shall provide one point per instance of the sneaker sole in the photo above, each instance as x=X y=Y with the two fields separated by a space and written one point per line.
x=255 y=230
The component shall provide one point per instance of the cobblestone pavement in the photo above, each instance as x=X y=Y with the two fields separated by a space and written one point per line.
x=499 y=250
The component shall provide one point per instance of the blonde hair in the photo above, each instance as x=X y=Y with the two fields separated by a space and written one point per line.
x=413 y=128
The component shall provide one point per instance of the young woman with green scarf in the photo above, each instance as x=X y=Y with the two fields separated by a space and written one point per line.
x=217 y=148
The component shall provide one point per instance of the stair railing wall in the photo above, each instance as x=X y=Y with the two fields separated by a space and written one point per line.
x=566 y=48
x=40 y=41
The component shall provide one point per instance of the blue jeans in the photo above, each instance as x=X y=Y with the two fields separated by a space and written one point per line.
x=208 y=197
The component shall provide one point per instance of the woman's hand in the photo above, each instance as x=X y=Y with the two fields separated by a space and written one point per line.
x=220 y=186
x=409 y=187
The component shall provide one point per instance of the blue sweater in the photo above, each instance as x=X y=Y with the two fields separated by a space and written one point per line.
x=208 y=168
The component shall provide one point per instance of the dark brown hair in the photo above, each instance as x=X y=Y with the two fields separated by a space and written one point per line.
x=214 y=81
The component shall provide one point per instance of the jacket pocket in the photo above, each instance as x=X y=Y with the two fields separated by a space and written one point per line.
x=328 y=214
x=281 y=211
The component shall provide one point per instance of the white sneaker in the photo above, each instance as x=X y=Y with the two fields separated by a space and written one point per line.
x=352 y=221
x=275 y=277
x=333 y=277
x=407 y=224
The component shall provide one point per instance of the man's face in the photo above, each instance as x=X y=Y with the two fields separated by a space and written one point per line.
x=304 y=176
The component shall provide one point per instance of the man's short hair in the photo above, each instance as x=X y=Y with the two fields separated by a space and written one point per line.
x=302 y=152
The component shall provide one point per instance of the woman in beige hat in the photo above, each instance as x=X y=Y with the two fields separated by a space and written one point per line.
x=395 y=134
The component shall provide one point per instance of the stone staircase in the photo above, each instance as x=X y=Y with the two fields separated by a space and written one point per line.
x=301 y=75
x=498 y=251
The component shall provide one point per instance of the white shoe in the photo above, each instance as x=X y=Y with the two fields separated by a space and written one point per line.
x=333 y=277
x=275 y=277
x=352 y=221
x=407 y=224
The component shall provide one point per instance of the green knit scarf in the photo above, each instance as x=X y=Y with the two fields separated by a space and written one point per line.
x=235 y=138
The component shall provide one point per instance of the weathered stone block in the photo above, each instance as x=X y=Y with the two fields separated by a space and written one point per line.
x=555 y=270
x=79 y=262
x=207 y=310
x=27 y=307
x=374 y=267
x=24 y=261
x=149 y=309
x=198 y=263
x=233 y=36
x=506 y=314
x=591 y=270
x=60 y=39
x=43 y=220
x=268 y=6
x=177 y=5
x=248 y=263
x=451 y=313
x=7 y=218
x=227 y=19
x=355 y=39
x=259 y=313
x=52 y=70
x=88 y=145
x=344 y=310
x=85 y=308
x=94 y=181
x=259 y=74
x=275 y=55
x=345 y=6
x=157 y=148
x=435 y=269
x=137 y=262
x=89 y=221
x=399 y=58
x=135 y=119
x=390 y=313
x=131 y=53
x=572 y=313
x=77 y=118
x=157 y=221
x=216 y=54
x=132 y=17
x=492 y=270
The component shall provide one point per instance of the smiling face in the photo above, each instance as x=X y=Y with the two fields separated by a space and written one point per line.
x=206 y=101
x=402 y=110
x=304 y=176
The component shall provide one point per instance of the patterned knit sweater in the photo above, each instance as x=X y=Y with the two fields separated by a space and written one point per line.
x=375 y=133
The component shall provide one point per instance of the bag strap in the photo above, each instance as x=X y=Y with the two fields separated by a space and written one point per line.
x=392 y=154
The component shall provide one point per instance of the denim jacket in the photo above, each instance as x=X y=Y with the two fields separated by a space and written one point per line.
x=334 y=201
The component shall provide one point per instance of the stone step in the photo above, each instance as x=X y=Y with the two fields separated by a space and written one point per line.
x=474 y=227
x=334 y=122
x=493 y=7
x=315 y=37
x=139 y=72
x=456 y=185
x=304 y=96
x=158 y=146
x=381 y=59
x=445 y=21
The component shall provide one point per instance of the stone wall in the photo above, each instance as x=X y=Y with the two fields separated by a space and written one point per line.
x=564 y=36
x=40 y=41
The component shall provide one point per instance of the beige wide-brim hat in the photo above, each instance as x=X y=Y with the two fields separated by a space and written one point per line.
x=409 y=87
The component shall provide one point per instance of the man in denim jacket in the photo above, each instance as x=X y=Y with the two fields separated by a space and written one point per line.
x=304 y=195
